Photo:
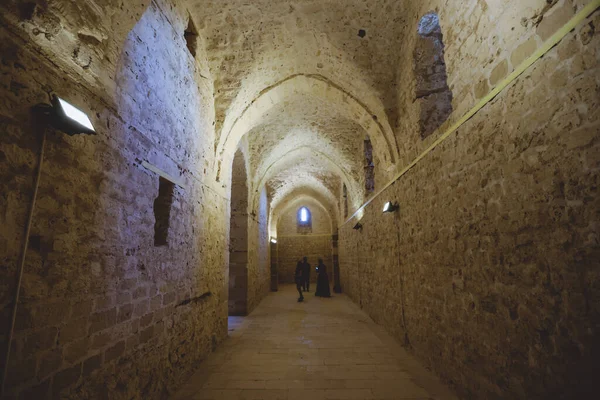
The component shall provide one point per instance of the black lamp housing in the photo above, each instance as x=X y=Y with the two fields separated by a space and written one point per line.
x=358 y=226
x=66 y=117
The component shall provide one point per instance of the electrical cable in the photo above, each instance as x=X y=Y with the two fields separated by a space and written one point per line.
x=22 y=262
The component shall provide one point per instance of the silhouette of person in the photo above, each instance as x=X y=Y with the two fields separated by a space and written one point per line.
x=306 y=274
x=322 y=281
x=299 y=278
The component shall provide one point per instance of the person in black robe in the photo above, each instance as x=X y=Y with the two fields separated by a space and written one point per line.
x=299 y=278
x=322 y=281
x=306 y=274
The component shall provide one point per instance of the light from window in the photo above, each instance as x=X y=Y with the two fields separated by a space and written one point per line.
x=303 y=215
x=431 y=90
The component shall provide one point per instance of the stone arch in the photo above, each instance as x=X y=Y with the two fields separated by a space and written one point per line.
x=290 y=197
x=432 y=93
x=296 y=201
x=314 y=244
x=298 y=153
x=238 y=238
x=309 y=185
x=376 y=126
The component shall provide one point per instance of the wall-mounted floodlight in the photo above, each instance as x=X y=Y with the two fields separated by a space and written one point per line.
x=66 y=117
x=72 y=121
x=390 y=207
x=358 y=226
x=273 y=240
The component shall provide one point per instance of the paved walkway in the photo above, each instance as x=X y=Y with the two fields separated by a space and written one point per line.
x=316 y=350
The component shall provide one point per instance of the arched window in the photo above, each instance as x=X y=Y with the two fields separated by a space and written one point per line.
x=304 y=220
x=431 y=90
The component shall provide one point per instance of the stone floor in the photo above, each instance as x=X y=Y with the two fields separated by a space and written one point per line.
x=318 y=349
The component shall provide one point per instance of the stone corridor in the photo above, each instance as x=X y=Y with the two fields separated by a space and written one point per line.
x=316 y=350
x=165 y=165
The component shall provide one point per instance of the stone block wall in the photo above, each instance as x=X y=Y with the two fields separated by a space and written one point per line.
x=259 y=262
x=488 y=272
x=483 y=42
x=292 y=246
x=238 y=237
x=104 y=312
x=290 y=249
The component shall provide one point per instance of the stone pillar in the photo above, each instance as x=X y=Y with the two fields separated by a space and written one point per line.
x=274 y=275
x=337 y=288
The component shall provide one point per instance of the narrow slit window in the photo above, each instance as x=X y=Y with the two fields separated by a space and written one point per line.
x=345 y=195
x=191 y=37
x=304 y=220
x=303 y=215
x=433 y=95
x=369 y=167
x=162 y=211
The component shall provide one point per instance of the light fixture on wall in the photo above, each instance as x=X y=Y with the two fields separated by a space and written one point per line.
x=358 y=226
x=390 y=207
x=65 y=117
x=273 y=240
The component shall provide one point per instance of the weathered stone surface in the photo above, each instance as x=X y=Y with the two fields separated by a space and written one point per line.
x=95 y=205
x=499 y=72
x=481 y=271
x=485 y=271
x=293 y=245
x=523 y=51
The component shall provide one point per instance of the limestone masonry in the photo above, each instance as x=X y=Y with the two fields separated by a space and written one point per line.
x=154 y=242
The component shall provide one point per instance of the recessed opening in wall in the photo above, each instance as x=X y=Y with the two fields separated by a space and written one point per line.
x=191 y=37
x=345 y=195
x=304 y=219
x=431 y=89
x=162 y=211
x=369 y=167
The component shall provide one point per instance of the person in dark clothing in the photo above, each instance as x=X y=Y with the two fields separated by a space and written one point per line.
x=322 y=281
x=299 y=278
x=306 y=274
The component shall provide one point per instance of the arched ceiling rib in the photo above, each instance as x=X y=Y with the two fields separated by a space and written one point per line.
x=297 y=201
x=297 y=196
x=255 y=44
x=299 y=84
x=279 y=188
x=317 y=90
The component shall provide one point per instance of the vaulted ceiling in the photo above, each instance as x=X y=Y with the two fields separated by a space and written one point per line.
x=303 y=83
x=300 y=84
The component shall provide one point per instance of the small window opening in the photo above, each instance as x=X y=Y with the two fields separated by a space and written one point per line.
x=432 y=91
x=304 y=220
x=162 y=211
x=345 y=195
x=369 y=167
x=303 y=215
x=191 y=37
